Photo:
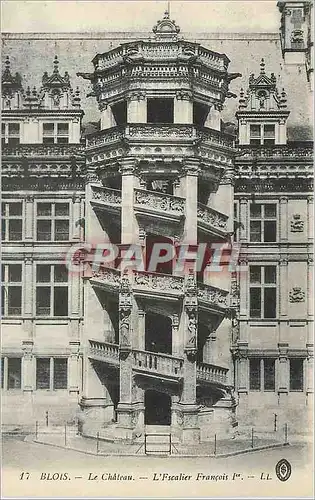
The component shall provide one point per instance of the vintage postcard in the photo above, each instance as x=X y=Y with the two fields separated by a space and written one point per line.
x=157 y=249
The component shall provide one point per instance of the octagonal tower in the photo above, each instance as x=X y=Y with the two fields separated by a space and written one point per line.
x=159 y=170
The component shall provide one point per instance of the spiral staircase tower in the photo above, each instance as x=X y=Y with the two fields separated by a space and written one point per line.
x=157 y=344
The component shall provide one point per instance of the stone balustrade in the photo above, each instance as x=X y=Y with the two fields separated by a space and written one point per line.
x=37 y=150
x=158 y=363
x=104 y=350
x=157 y=282
x=212 y=295
x=159 y=201
x=106 y=195
x=211 y=217
x=212 y=373
x=108 y=276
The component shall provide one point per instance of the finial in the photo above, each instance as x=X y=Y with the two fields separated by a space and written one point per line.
x=7 y=62
x=56 y=62
x=262 y=66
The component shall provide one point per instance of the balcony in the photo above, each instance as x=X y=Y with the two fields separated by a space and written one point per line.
x=156 y=364
x=212 y=374
x=158 y=205
x=153 y=284
x=211 y=221
x=107 y=278
x=104 y=351
x=212 y=298
x=103 y=197
x=160 y=364
x=167 y=141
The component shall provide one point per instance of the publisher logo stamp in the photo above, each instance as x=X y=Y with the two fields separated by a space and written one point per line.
x=283 y=469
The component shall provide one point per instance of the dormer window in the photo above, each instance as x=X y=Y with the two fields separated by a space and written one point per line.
x=262 y=134
x=55 y=133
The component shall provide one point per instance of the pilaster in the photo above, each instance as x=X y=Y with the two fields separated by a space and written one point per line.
x=183 y=107
x=283 y=218
x=29 y=218
x=28 y=362
x=136 y=107
x=130 y=181
x=190 y=179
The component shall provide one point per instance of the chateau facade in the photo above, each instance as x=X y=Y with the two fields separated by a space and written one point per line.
x=198 y=352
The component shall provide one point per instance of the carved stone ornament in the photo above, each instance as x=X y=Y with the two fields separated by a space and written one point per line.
x=125 y=307
x=297 y=294
x=297 y=224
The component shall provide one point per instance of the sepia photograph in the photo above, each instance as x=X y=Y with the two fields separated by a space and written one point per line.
x=157 y=258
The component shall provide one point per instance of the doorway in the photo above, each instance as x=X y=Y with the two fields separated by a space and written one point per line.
x=157 y=408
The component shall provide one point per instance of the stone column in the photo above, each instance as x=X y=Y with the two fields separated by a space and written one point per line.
x=190 y=183
x=214 y=117
x=28 y=360
x=244 y=219
x=191 y=431
x=310 y=218
x=74 y=367
x=129 y=223
x=282 y=131
x=107 y=117
x=136 y=108
x=283 y=217
x=141 y=330
x=28 y=297
x=176 y=336
x=126 y=319
x=29 y=218
x=93 y=229
x=310 y=288
x=224 y=198
x=283 y=296
x=75 y=221
x=242 y=372
x=183 y=107
x=283 y=372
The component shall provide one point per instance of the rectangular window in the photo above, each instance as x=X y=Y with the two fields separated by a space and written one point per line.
x=42 y=373
x=263 y=222
x=10 y=134
x=160 y=110
x=12 y=219
x=51 y=373
x=11 y=290
x=262 y=134
x=2 y=372
x=51 y=290
x=53 y=221
x=269 y=374
x=296 y=374
x=119 y=111
x=261 y=374
x=254 y=374
x=60 y=373
x=262 y=292
x=14 y=373
x=56 y=133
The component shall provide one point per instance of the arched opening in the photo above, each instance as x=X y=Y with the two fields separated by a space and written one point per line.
x=158 y=333
x=157 y=408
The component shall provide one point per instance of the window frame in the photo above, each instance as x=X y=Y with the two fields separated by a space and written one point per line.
x=262 y=374
x=302 y=388
x=53 y=219
x=7 y=218
x=53 y=287
x=262 y=286
x=262 y=220
x=262 y=137
x=51 y=373
x=6 y=285
x=6 y=135
x=55 y=132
